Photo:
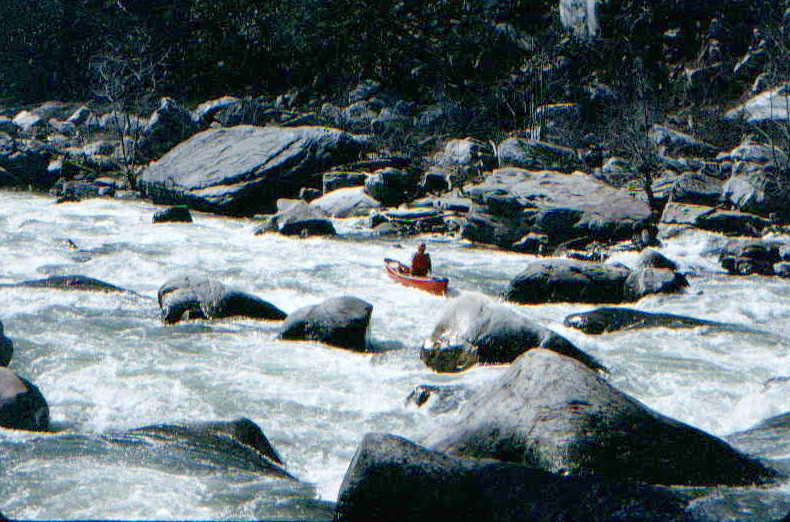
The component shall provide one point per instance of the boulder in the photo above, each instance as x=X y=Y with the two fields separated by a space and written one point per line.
x=650 y=258
x=438 y=399
x=204 y=113
x=179 y=214
x=466 y=153
x=474 y=330
x=610 y=319
x=393 y=479
x=772 y=105
x=297 y=218
x=759 y=182
x=514 y=202
x=29 y=121
x=696 y=188
x=554 y=413
x=243 y=170
x=782 y=269
x=645 y=281
x=239 y=443
x=6 y=348
x=769 y=438
x=70 y=282
x=22 y=407
x=169 y=125
x=565 y=280
x=335 y=180
x=750 y=257
x=391 y=186
x=714 y=219
x=80 y=116
x=339 y=321
x=190 y=297
x=674 y=143
x=26 y=161
x=538 y=155
x=345 y=202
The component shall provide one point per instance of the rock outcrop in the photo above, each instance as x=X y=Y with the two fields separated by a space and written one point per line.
x=6 y=348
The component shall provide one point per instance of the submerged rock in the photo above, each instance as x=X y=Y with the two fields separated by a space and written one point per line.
x=473 y=330
x=339 y=321
x=438 y=398
x=173 y=215
x=22 y=407
x=610 y=319
x=554 y=413
x=228 y=444
x=194 y=297
x=750 y=257
x=391 y=478
x=71 y=282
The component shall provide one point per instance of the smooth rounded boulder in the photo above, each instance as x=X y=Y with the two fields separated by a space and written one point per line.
x=178 y=214
x=22 y=406
x=195 y=297
x=474 y=330
x=6 y=348
x=243 y=170
x=391 y=478
x=554 y=413
x=339 y=321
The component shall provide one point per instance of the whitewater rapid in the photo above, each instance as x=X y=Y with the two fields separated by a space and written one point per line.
x=105 y=362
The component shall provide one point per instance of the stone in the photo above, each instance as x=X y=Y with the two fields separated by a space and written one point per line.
x=612 y=319
x=772 y=105
x=26 y=161
x=750 y=257
x=466 y=153
x=675 y=143
x=474 y=330
x=696 y=188
x=537 y=155
x=759 y=182
x=297 y=218
x=173 y=215
x=70 y=282
x=438 y=399
x=80 y=116
x=22 y=406
x=390 y=478
x=646 y=281
x=391 y=186
x=650 y=258
x=192 y=297
x=204 y=113
x=6 y=348
x=335 y=180
x=554 y=413
x=714 y=219
x=29 y=121
x=345 y=202
x=563 y=280
x=169 y=125
x=243 y=170
x=339 y=321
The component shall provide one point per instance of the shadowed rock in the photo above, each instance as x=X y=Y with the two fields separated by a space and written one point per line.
x=339 y=321
x=173 y=215
x=22 y=407
x=554 y=413
x=391 y=478
x=473 y=330
x=438 y=398
x=610 y=319
x=6 y=348
x=192 y=297
x=229 y=444
x=71 y=282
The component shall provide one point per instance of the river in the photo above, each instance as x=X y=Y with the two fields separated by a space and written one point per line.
x=105 y=361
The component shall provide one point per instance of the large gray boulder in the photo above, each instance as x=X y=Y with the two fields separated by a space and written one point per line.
x=769 y=438
x=751 y=257
x=391 y=186
x=6 y=348
x=612 y=319
x=773 y=105
x=295 y=217
x=391 y=478
x=192 y=297
x=22 y=407
x=345 y=202
x=554 y=413
x=243 y=170
x=25 y=162
x=703 y=217
x=474 y=330
x=566 y=280
x=514 y=202
x=535 y=154
x=760 y=181
x=339 y=321
x=645 y=281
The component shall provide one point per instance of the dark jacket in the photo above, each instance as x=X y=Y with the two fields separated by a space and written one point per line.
x=420 y=264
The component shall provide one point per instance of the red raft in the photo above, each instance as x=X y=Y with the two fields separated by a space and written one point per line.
x=399 y=273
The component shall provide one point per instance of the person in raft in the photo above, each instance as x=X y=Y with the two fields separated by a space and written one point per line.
x=420 y=262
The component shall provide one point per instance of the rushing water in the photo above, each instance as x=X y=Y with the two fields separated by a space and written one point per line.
x=105 y=362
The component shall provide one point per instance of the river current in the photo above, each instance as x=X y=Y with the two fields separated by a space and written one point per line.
x=105 y=362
